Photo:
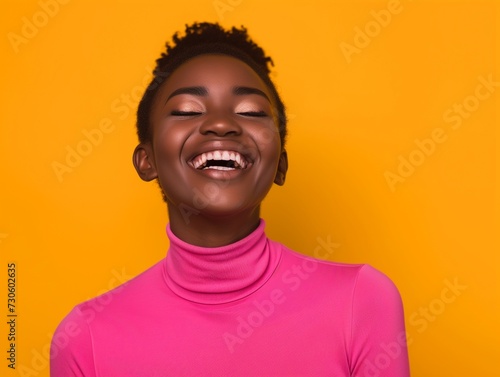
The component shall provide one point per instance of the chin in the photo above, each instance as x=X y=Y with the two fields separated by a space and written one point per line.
x=228 y=209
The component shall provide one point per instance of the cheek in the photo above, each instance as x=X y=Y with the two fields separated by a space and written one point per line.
x=269 y=142
x=168 y=141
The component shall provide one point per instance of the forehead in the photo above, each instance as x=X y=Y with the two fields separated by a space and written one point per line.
x=214 y=69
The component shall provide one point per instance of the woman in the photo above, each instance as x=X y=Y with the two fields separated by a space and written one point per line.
x=227 y=301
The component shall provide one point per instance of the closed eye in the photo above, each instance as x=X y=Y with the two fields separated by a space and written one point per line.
x=253 y=113
x=184 y=113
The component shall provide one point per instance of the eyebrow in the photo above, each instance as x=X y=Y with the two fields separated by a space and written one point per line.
x=193 y=90
x=245 y=90
x=201 y=91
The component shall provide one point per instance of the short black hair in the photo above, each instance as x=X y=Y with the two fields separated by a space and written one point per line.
x=208 y=38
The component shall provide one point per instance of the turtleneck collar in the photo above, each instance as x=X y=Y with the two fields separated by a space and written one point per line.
x=216 y=275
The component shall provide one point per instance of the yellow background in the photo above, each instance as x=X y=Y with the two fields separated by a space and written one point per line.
x=352 y=119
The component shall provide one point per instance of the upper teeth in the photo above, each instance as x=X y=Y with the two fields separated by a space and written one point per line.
x=199 y=162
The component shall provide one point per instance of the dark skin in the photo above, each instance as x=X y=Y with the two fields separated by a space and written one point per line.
x=213 y=104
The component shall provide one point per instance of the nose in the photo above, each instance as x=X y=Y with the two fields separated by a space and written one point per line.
x=220 y=125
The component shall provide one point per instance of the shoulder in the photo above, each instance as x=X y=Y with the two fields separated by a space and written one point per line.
x=372 y=287
x=341 y=283
x=76 y=325
x=71 y=351
x=344 y=274
x=72 y=342
x=377 y=308
x=132 y=290
x=362 y=277
x=360 y=283
x=377 y=326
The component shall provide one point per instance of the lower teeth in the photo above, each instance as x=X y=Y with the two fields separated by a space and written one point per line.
x=219 y=168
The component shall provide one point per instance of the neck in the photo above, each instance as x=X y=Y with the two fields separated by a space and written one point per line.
x=196 y=228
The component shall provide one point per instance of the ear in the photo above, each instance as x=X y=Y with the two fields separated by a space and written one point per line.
x=144 y=162
x=282 y=169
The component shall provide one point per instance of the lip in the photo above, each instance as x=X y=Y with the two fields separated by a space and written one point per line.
x=221 y=175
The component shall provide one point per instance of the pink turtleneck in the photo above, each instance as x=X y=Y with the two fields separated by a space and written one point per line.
x=252 y=308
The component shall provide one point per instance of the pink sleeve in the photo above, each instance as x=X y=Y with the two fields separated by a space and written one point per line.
x=71 y=348
x=378 y=340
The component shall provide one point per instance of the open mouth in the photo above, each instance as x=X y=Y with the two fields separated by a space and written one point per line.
x=219 y=160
